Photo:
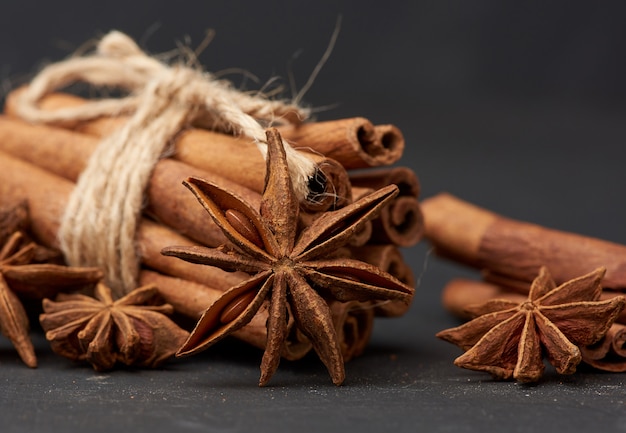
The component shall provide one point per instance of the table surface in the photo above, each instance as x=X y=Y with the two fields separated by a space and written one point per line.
x=516 y=109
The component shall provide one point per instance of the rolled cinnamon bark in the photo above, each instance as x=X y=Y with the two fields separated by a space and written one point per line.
x=609 y=354
x=516 y=249
x=354 y=322
x=235 y=159
x=389 y=259
x=65 y=153
x=401 y=223
x=354 y=142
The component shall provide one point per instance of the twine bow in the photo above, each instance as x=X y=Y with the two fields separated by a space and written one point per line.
x=100 y=221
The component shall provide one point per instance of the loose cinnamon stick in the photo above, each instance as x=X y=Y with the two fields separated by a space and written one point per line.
x=401 y=223
x=389 y=259
x=236 y=159
x=517 y=249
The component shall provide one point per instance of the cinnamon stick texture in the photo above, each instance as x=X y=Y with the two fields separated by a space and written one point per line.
x=609 y=354
x=65 y=153
x=401 y=223
x=516 y=249
x=235 y=159
x=354 y=142
x=47 y=196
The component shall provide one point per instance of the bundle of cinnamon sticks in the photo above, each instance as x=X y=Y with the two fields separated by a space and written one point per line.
x=41 y=163
x=510 y=253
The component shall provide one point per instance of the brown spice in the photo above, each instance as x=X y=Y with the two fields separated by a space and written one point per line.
x=285 y=267
x=515 y=249
x=608 y=354
x=401 y=223
x=133 y=330
x=507 y=339
x=212 y=151
x=21 y=275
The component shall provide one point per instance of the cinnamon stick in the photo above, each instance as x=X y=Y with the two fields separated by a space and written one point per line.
x=65 y=153
x=401 y=223
x=235 y=159
x=354 y=142
x=517 y=249
x=609 y=354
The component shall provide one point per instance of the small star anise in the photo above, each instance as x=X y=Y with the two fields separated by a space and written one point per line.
x=132 y=330
x=296 y=274
x=19 y=275
x=508 y=339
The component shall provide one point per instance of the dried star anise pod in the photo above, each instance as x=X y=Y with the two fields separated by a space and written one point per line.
x=21 y=275
x=508 y=339
x=133 y=330
x=297 y=274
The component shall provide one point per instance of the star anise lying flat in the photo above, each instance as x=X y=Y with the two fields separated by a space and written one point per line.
x=296 y=274
x=508 y=339
x=20 y=276
x=132 y=330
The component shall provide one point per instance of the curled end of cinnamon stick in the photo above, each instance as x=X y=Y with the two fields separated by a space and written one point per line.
x=329 y=187
x=354 y=322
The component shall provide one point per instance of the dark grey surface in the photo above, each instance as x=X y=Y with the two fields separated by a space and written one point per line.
x=519 y=108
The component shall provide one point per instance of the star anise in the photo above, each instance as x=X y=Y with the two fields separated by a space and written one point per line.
x=297 y=274
x=21 y=275
x=133 y=330
x=508 y=339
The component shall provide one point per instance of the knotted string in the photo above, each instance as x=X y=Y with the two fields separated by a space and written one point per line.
x=100 y=221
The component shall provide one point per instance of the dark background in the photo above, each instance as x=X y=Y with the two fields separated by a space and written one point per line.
x=516 y=106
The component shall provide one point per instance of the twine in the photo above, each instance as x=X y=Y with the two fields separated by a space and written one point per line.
x=100 y=221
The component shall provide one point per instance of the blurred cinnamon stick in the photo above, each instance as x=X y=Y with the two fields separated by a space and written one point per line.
x=516 y=249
